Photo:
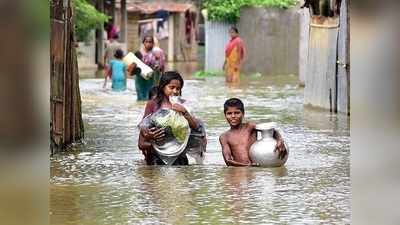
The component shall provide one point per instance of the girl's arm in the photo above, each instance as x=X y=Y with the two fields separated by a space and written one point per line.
x=193 y=123
x=126 y=72
x=106 y=74
x=105 y=81
x=151 y=134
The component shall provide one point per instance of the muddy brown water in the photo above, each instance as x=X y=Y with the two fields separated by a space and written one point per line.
x=105 y=180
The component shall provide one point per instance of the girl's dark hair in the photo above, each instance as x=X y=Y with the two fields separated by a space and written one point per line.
x=119 y=54
x=233 y=102
x=153 y=92
x=165 y=79
x=235 y=29
x=148 y=36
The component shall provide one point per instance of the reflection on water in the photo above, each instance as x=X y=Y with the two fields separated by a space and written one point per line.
x=105 y=180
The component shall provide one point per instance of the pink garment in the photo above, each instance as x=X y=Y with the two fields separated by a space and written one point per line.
x=236 y=41
x=111 y=33
x=154 y=58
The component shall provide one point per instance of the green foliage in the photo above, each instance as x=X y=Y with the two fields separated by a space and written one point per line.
x=203 y=74
x=86 y=19
x=229 y=10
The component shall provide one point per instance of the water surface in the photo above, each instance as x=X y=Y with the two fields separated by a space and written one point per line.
x=105 y=181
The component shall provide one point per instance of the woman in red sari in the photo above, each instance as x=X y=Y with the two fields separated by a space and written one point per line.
x=234 y=54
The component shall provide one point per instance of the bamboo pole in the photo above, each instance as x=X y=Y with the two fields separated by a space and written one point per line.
x=66 y=117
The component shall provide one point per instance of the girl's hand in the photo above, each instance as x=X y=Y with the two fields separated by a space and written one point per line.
x=154 y=133
x=179 y=108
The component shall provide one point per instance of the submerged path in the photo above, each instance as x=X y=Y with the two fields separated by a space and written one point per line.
x=105 y=181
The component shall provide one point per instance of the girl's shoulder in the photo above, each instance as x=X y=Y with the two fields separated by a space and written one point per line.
x=151 y=107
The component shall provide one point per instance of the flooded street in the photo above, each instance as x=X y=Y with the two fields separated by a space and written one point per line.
x=105 y=181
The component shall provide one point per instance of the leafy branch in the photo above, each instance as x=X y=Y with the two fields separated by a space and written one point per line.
x=229 y=10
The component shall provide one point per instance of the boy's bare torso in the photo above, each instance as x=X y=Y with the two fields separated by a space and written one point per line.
x=240 y=141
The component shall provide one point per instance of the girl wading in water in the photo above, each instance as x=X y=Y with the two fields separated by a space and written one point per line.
x=171 y=84
x=118 y=72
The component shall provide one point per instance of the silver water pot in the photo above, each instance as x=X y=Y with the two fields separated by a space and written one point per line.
x=262 y=151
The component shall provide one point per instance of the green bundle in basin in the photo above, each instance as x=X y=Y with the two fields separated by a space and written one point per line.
x=173 y=122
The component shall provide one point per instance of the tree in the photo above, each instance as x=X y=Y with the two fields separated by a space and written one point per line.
x=86 y=19
x=229 y=11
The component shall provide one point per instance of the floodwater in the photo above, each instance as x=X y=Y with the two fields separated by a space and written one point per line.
x=105 y=181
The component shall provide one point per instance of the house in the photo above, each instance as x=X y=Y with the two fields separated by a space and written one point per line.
x=174 y=24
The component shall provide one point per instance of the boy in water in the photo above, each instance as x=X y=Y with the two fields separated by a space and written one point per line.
x=237 y=141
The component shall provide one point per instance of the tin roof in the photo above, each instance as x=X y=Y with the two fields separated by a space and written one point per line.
x=152 y=7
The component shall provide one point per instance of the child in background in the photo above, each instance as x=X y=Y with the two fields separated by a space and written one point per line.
x=118 y=72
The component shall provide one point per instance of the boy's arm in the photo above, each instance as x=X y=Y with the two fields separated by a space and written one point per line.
x=227 y=154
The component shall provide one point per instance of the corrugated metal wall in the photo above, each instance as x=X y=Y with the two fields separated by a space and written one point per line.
x=216 y=37
x=343 y=72
x=320 y=82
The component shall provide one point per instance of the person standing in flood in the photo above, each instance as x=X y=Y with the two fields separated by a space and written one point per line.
x=111 y=48
x=118 y=72
x=234 y=55
x=153 y=57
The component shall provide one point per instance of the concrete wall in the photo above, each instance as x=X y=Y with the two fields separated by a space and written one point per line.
x=133 y=41
x=272 y=40
x=182 y=50
x=86 y=55
x=304 y=16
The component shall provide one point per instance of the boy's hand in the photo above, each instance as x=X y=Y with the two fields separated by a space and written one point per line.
x=280 y=147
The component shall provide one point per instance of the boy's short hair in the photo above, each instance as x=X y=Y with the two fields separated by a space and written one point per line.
x=233 y=102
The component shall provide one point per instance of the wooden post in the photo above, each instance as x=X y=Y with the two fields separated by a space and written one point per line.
x=66 y=124
x=124 y=21
x=171 y=38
